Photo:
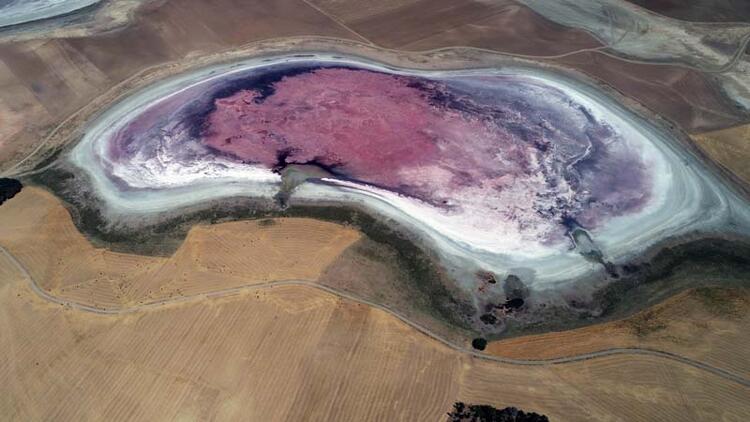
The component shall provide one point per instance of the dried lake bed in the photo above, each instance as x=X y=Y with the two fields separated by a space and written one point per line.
x=511 y=173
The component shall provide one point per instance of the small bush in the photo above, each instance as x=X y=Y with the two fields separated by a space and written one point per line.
x=479 y=343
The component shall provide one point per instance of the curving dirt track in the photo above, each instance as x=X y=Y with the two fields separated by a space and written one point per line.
x=40 y=233
x=214 y=295
x=238 y=324
x=286 y=351
x=271 y=284
x=46 y=80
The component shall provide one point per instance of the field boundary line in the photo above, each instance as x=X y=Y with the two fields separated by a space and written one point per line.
x=633 y=351
x=242 y=51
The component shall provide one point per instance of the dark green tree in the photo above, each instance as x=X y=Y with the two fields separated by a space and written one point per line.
x=484 y=413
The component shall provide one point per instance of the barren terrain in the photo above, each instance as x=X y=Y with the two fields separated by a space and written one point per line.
x=297 y=352
x=730 y=148
x=302 y=319
x=707 y=324
x=699 y=10
x=45 y=80
x=312 y=350
x=39 y=232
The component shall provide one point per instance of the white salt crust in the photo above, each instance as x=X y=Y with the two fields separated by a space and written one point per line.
x=685 y=196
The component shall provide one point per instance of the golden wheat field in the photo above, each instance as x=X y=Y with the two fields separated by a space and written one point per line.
x=300 y=319
x=711 y=325
x=39 y=232
x=728 y=147
x=296 y=352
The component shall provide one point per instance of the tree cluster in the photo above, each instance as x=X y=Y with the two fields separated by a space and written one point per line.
x=484 y=413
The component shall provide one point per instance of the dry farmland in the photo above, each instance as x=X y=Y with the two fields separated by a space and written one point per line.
x=301 y=319
x=43 y=81
x=730 y=148
x=39 y=232
x=711 y=325
x=299 y=353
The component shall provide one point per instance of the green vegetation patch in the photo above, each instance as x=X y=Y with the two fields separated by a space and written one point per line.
x=723 y=302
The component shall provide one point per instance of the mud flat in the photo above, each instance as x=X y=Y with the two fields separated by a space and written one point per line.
x=31 y=20
x=681 y=199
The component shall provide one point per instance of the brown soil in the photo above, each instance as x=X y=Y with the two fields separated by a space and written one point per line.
x=730 y=148
x=50 y=79
x=370 y=271
x=515 y=30
x=45 y=81
x=39 y=232
x=709 y=325
x=503 y=26
x=396 y=24
x=683 y=96
x=291 y=352
x=296 y=353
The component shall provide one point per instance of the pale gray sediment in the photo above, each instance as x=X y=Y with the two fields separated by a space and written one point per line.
x=18 y=12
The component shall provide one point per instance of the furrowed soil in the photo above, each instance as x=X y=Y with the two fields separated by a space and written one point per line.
x=45 y=81
x=39 y=232
x=730 y=148
x=711 y=325
x=241 y=349
x=294 y=352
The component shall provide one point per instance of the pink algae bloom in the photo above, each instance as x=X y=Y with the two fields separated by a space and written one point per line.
x=369 y=126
